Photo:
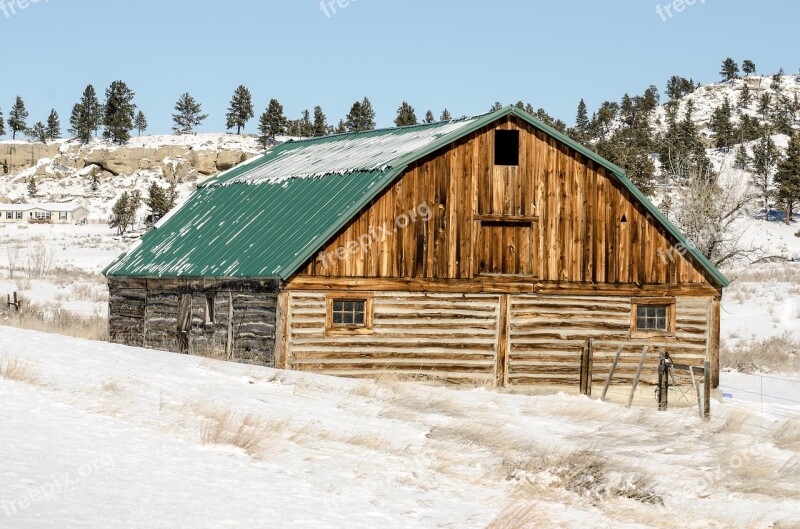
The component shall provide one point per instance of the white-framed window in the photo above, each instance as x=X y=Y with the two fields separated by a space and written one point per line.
x=9 y=215
x=19 y=215
x=62 y=215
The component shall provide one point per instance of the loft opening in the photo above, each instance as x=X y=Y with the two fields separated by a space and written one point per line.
x=506 y=147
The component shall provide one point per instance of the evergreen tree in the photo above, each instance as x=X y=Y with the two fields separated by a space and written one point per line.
x=582 y=118
x=86 y=116
x=16 y=118
x=341 y=128
x=361 y=116
x=678 y=87
x=38 y=132
x=600 y=125
x=123 y=213
x=95 y=185
x=765 y=158
x=240 y=110
x=742 y=160
x=118 y=112
x=730 y=70
x=320 y=122
x=777 y=81
x=764 y=106
x=160 y=201
x=722 y=125
x=681 y=150
x=2 y=124
x=497 y=106
x=745 y=97
x=33 y=189
x=140 y=122
x=749 y=129
x=748 y=67
x=272 y=122
x=405 y=115
x=306 y=125
x=188 y=115
x=53 y=125
x=787 y=177
x=429 y=117
x=445 y=115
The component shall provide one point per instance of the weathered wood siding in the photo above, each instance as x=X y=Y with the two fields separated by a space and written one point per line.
x=548 y=333
x=444 y=336
x=586 y=227
x=145 y=313
x=461 y=337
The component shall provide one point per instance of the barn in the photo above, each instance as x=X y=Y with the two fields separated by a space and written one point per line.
x=482 y=250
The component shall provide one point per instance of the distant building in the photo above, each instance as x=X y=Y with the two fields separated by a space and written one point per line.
x=43 y=213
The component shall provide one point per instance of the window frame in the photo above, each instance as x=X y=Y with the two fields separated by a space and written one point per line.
x=669 y=303
x=63 y=215
x=210 y=313
x=343 y=329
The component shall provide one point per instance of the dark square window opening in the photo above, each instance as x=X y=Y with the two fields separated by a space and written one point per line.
x=349 y=313
x=652 y=318
x=506 y=147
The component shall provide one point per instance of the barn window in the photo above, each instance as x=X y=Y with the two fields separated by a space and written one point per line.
x=211 y=316
x=349 y=313
x=506 y=147
x=653 y=317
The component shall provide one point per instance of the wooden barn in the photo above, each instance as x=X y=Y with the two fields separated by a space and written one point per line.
x=481 y=250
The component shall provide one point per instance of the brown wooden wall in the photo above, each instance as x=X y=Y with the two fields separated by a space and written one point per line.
x=578 y=234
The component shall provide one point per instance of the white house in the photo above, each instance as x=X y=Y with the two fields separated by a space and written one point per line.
x=43 y=213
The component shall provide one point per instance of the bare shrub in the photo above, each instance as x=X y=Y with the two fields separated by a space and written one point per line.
x=39 y=260
x=20 y=371
x=13 y=252
x=777 y=353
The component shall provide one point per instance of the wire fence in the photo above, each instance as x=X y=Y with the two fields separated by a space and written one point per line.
x=772 y=399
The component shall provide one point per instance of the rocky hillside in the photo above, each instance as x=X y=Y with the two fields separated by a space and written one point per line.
x=96 y=173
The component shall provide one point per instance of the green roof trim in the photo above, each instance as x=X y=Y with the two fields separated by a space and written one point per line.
x=308 y=208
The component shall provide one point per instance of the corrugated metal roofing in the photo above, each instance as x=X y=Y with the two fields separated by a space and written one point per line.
x=268 y=216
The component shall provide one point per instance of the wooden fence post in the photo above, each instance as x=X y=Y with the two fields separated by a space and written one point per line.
x=707 y=390
x=663 y=382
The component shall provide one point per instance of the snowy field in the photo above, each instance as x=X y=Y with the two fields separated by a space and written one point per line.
x=100 y=435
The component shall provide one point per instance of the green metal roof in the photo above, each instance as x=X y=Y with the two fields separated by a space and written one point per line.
x=268 y=216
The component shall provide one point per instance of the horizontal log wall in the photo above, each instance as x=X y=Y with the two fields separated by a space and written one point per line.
x=548 y=333
x=450 y=337
x=588 y=227
x=148 y=316
x=455 y=337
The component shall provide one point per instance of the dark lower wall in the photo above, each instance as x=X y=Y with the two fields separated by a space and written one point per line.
x=171 y=315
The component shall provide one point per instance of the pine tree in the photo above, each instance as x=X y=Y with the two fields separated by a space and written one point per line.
x=787 y=177
x=160 y=200
x=777 y=81
x=748 y=67
x=445 y=115
x=120 y=214
x=33 y=189
x=140 y=122
x=361 y=116
x=497 y=106
x=678 y=87
x=240 y=110
x=405 y=115
x=429 y=117
x=38 y=132
x=745 y=97
x=722 y=125
x=730 y=70
x=16 y=118
x=118 y=112
x=95 y=185
x=53 y=125
x=742 y=160
x=765 y=159
x=582 y=118
x=320 y=122
x=188 y=114
x=764 y=106
x=341 y=128
x=2 y=124
x=86 y=116
x=272 y=122
x=306 y=126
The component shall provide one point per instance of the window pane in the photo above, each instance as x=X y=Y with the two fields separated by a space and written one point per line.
x=348 y=306
x=347 y=318
x=641 y=323
x=359 y=318
x=337 y=317
x=337 y=306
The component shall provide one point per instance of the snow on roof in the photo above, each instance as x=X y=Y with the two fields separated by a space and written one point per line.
x=45 y=207
x=344 y=154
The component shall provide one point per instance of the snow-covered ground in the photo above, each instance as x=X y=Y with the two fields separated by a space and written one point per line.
x=100 y=435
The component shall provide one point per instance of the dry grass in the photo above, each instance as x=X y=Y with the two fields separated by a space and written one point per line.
x=778 y=353
x=247 y=431
x=522 y=515
x=750 y=474
x=56 y=321
x=787 y=435
x=19 y=371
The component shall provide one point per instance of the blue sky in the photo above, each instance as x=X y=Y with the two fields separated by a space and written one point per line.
x=463 y=55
